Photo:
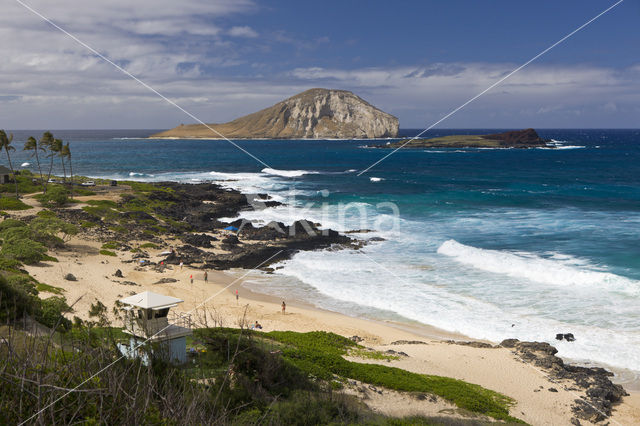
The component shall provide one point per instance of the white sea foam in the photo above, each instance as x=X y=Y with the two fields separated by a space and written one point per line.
x=556 y=271
x=25 y=164
x=382 y=282
x=375 y=179
x=287 y=173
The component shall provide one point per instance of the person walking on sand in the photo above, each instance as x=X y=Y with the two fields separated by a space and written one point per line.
x=181 y=264
x=284 y=307
x=237 y=297
x=191 y=278
x=206 y=277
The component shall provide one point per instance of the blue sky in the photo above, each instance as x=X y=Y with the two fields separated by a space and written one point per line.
x=414 y=59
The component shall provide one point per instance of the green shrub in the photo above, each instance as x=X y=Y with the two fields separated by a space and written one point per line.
x=56 y=195
x=112 y=245
x=46 y=214
x=11 y=223
x=10 y=265
x=86 y=224
x=9 y=203
x=149 y=245
x=51 y=313
x=107 y=253
x=18 y=296
x=46 y=229
x=25 y=251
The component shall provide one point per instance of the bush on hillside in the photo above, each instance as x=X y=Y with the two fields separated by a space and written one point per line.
x=51 y=313
x=25 y=251
x=18 y=296
x=11 y=203
x=56 y=195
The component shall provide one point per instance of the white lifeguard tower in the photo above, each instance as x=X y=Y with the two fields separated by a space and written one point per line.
x=147 y=319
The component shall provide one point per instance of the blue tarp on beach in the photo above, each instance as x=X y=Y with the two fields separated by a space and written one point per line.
x=230 y=228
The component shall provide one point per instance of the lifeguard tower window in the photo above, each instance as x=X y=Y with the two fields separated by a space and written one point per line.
x=162 y=313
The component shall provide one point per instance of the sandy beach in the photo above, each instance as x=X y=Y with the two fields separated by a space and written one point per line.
x=540 y=400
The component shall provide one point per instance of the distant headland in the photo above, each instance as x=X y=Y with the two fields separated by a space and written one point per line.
x=312 y=114
x=527 y=138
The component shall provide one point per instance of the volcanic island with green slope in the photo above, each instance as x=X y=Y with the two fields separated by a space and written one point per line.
x=527 y=138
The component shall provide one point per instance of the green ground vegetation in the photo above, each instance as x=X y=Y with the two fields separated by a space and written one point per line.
x=320 y=356
x=8 y=203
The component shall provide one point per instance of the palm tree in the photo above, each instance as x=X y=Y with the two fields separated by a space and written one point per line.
x=58 y=146
x=65 y=152
x=5 y=142
x=32 y=145
x=47 y=143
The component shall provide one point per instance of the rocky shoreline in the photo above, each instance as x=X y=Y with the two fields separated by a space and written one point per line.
x=600 y=393
x=190 y=216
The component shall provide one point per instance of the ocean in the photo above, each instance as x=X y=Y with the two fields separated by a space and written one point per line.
x=490 y=243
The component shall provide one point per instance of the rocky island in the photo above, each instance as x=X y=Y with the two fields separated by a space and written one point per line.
x=312 y=114
x=527 y=138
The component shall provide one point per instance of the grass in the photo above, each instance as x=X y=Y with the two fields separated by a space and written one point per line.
x=103 y=203
x=49 y=288
x=108 y=253
x=86 y=224
x=11 y=203
x=320 y=355
x=82 y=192
x=368 y=354
x=149 y=245
x=112 y=245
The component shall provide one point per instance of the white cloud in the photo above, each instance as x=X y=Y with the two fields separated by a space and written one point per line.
x=421 y=95
x=243 y=31
x=48 y=80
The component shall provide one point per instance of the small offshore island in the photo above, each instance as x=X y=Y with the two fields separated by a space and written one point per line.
x=527 y=138
x=312 y=114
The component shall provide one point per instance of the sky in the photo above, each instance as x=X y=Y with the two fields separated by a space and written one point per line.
x=220 y=59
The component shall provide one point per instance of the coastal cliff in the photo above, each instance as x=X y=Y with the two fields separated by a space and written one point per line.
x=313 y=114
x=527 y=138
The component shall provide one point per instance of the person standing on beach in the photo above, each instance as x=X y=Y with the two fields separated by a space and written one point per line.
x=206 y=277
x=181 y=263
x=284 y=307
x=191 y=278
x=237 y=297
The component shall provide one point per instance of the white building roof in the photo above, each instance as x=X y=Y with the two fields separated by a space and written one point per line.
x=151 y=300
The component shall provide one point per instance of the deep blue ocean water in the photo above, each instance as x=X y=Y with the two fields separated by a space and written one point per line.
x=489 y=243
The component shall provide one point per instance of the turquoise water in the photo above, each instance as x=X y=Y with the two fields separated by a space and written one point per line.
x=489 y=243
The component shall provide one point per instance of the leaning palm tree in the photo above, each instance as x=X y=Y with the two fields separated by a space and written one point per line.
x=48 y=143
x=32 y=145
x=5 y=142
x=58 y=147
x=65 y=152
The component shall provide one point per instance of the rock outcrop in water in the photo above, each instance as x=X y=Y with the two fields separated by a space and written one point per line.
x=313 y=114
x=527 y=138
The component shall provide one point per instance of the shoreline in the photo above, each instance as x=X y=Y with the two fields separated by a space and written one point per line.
x=540 y=399
x=429 y=331
x=494 y=368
